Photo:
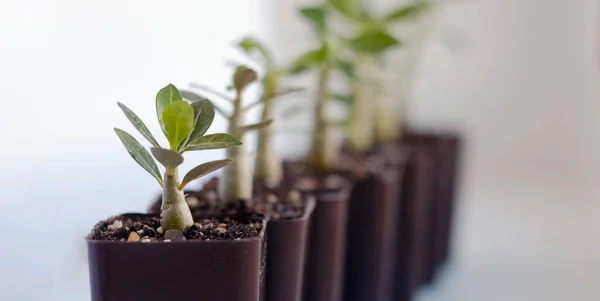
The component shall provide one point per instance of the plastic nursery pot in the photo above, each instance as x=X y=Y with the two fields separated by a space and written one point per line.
x=324 y=268
x=286 y=249
x=446 y=148
x=227 y=270
x=414 y=224
x=371 y=249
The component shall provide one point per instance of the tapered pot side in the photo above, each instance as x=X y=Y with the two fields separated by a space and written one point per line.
x=371 y=249
x=414 y=225
x=324 y=265
x=286 y=249
x=228 y=270
x=446 y=153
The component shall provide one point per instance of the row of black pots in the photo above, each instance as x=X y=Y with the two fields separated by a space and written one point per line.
x=427 y=207
x=379 y=244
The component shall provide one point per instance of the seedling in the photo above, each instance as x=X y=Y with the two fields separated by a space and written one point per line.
x=324 y=152
x=268 y=168
x=184 y=125
x=371 y=40
x=236 y=181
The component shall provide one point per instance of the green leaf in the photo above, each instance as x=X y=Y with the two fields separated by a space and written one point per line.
x=345 y=99
x=408 y=12
x=204 y=114
x=242 y=77
x=164 y=98
x=374 y=41
x=178 y=118
x=256 y=126
x=213 y=141
x=346 y=68
x=167 y=157
x=202 y=170
x=139 y=125
x=139 y=154
x=309 y=60
x=348 y=8
x=316 y=15
x=250 y=44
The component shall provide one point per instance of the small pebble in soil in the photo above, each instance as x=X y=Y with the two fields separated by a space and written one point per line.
x=174 y=235
x=209 y=225
x=146 y=240
x=115 y=225
x=198 y=226
x=148 y=231
x=133 y=237
x=222 y=225
x=192 y=201
x=221 y=230
x=167 y=240
x=160 y=230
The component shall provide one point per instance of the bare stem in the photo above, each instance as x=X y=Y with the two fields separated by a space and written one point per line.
x=268 y=168
x=175 y=212
x=360 y=131
x=388 y=112
x=322 y=158
x=237 y=176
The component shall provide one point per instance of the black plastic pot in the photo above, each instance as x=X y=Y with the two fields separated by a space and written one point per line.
x=371 y=249
x=326 y=245
x=286 y=249
x=225 y=270
x=414 y=224
x=445 y=151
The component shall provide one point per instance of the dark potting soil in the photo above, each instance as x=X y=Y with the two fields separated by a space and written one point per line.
x=266 y=201
x=145 y=228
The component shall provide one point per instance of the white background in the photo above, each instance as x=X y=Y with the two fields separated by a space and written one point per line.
x=521 y=78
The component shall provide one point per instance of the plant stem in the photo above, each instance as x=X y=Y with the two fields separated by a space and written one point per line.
x=322 y=158
x=237 y=176
x=268 y=168
x=175 y=212
x=388 y=113
x=360 y=131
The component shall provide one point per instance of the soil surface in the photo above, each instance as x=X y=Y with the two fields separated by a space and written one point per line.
x=204 y=203
x=146 y=228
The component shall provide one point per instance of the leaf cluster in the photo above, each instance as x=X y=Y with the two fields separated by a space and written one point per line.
x=184 y=124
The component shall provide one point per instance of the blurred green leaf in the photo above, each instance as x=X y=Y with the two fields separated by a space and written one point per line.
x=178 y=118
x=409 y=11
x=165 y=97
x=204 y=114
x=250 y=44
x=373 y=41
x=191 y=96
x=167 y=157
x=139 y=125
x=309 y=60
x=348 y=8
x=256 y=126
x=343 y=98
x=139 y=154
x=202 y=170
x=316 y=15
x=213 y=141
x=346 y=68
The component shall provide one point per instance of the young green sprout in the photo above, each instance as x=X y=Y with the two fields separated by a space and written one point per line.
x=184 y=125
x=236 y=181
x=268 y=168
x=371 y=40
x=324 y=152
